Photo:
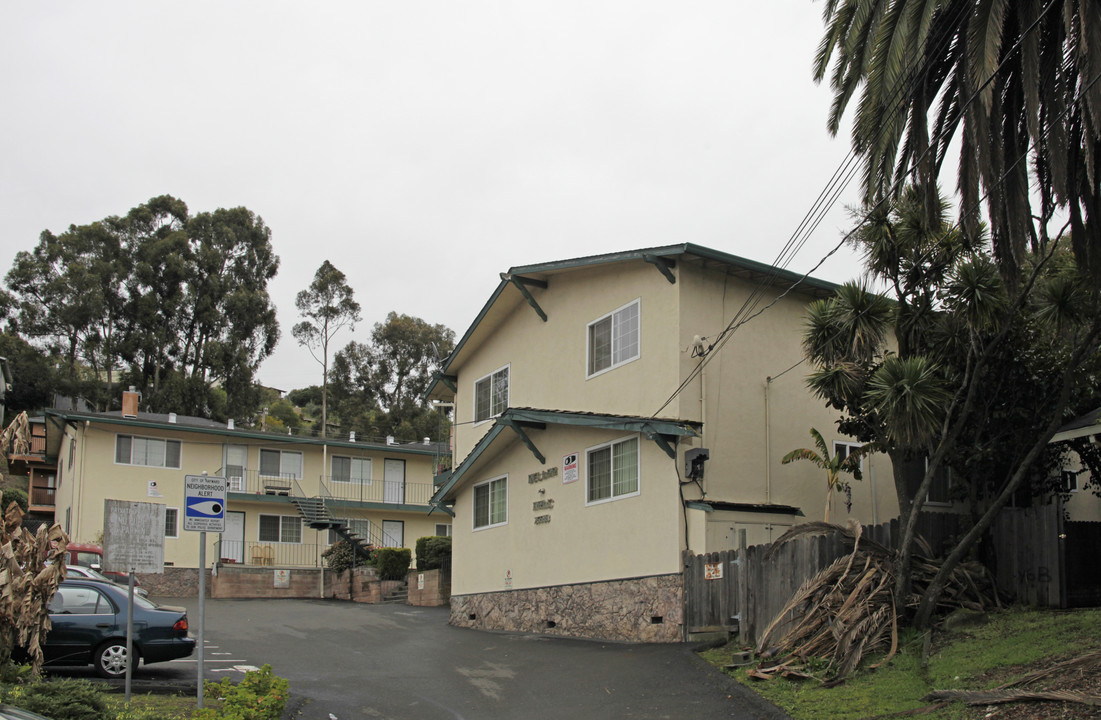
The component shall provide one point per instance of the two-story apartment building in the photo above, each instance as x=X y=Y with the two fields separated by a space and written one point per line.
x=380 y=490
x=614 y=411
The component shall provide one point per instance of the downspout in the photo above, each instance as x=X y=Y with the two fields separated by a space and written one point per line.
x=768 y=446
x=83 y=480
x=871 y=479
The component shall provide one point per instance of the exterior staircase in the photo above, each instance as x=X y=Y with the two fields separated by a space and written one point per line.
x=399 y=594
x=317 y=516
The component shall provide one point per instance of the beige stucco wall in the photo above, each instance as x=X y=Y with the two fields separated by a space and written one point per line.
x=751 y=422
x=547 y=360
x=629 y=537
x=95 y=477
x=746 y=432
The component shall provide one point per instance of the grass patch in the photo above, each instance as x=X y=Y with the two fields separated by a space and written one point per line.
x=156 y=707
x=961 y=659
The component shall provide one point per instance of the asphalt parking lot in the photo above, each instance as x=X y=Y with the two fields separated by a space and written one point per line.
x=349 y=661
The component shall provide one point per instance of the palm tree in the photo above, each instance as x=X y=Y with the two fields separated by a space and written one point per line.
x=833 y=465
x=1018 y=82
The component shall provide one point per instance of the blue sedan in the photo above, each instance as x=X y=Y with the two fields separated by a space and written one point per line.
x=88 y=619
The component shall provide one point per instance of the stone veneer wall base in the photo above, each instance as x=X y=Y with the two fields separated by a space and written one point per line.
x=648 y=609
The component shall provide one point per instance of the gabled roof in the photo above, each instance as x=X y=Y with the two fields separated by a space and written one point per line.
x=513 y=284
x=1081 y=426
x=514 y=421
x=185 y=423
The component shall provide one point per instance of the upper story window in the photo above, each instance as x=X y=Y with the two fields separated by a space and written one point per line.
x=491 y=395
x=842 y=450
x=491 y=503
x=613 y=470
x=281 y=464
x=613 y=339
x=150 y=452
x=352 y=470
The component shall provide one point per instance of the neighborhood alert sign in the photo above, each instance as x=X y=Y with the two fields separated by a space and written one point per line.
x=204 y=503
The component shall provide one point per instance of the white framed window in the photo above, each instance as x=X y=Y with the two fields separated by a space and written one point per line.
x=147 y=452
x=491 y=395
x=280 y=529
x=940 y=492
x=351 y=470
x=842 y=449
x=281 y=464
x=612 y=470
x=613 y=340
x=171 y=522
x=443 y=530
x=1068 y=481
x=491 y=503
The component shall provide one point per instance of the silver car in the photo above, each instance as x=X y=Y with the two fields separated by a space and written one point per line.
x=78 y=572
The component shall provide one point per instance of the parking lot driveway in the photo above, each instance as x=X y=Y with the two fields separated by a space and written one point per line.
x=351 y=661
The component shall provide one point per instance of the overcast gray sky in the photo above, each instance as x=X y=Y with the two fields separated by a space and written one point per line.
x=424 y=147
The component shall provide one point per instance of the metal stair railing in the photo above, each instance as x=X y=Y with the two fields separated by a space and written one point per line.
x=317 y=516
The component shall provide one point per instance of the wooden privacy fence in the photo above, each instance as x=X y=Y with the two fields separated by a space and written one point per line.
x=1032 y=563
x=743 y=590
x=1037 y=558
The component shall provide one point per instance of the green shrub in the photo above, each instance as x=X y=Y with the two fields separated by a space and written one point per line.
x=19 y=495
x=433 y=552
x=262 y=695
x=338 y=556
x=60 y=699
x=393 y=563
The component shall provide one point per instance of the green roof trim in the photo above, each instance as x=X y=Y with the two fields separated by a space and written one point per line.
x=657 y=429
x=222 y=431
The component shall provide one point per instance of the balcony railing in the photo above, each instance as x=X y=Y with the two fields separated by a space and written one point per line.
x=268 y=554
x=392 y=492
x=43 y=496
x=255 y=483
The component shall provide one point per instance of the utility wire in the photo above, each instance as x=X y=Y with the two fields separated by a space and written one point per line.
x=789 y=249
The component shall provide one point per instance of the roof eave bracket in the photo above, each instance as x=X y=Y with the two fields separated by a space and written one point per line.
x=521 y=284
x=516 y=428
x=664 y=265
x=663 y=443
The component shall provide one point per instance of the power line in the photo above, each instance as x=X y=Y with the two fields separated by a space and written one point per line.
x=791 y=247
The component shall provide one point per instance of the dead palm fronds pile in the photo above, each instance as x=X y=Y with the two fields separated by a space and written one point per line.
x=31 y=567
x=849 y=610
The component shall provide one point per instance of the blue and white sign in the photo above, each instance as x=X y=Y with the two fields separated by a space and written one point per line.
x=204 y=503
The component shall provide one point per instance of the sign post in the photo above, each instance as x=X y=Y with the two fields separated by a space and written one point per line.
x=133 y=541
x=204 y=511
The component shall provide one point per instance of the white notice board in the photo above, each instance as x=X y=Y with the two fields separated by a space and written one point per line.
x=133 y=536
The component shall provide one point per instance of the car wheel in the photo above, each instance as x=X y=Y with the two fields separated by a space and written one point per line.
x=111 y=659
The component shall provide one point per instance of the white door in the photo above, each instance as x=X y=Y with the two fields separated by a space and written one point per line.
x=393 y=533
x=236 y=463
x=233 y=539
x=394 y=480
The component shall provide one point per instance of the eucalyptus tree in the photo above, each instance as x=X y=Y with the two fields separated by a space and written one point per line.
x=230 y=324
x=381 y=384
x=978 y=371
x=1015 y=83
x=327 y=306
x=178 y=303
x=67 y=294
